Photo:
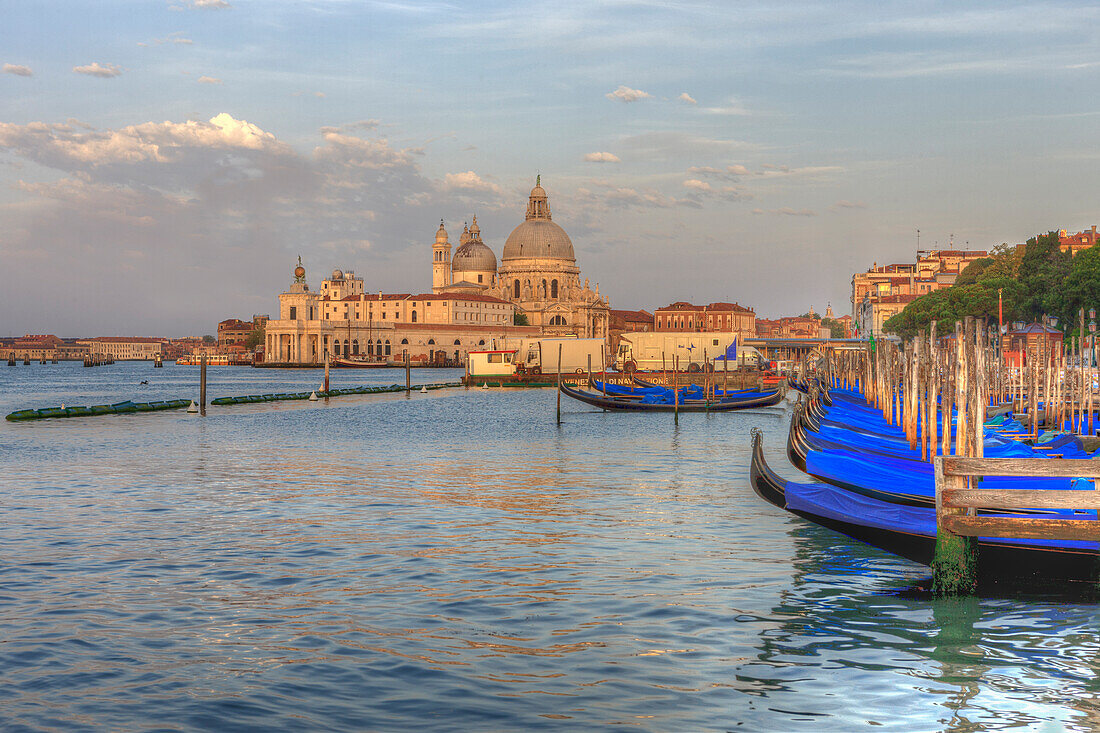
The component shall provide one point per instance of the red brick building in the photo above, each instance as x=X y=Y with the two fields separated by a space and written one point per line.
x=1074 y=243
x=685 y=317
x=233 y=331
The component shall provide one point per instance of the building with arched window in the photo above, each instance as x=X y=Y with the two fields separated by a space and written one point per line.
x=538 y=273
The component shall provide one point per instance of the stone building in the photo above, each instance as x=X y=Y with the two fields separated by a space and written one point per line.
x=685 y=317
x=538 y=273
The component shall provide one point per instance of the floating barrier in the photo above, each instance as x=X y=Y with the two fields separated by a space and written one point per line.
x=119 y=408
x=316 y=394
x=123 y=408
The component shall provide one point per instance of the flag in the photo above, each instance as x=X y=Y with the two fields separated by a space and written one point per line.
x=871 y=339
x=731 y=350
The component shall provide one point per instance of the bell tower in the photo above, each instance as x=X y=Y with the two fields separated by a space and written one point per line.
x=441 y=260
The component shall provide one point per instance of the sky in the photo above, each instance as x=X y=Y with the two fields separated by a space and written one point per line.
x=163 y=163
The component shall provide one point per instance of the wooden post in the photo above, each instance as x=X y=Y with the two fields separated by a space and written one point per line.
x=326 y=374
x=933 y=376
x=559 y=382
x=726 y=372
x=676 y=391
x=589 y=367
x=962 y=422
x=955 y=559
x=202 y=385
x=408 y=374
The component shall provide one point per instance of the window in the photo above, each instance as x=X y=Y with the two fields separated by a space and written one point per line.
x=293 y=313
x=378 y=348
x=515 y=287
x=481 y=342
x=405 y=341
x=431 y=342
x=457 y=342
x=554 y=289
x=496 y=358
x=335 y=348
x=387 y=347
x=715 y=343
x=557 y=321
x=370 y=347
x=479 y=278
x=355 y=346
x=414 y=316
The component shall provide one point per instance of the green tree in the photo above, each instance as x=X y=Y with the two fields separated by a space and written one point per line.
x=1043 y=272
x=208 y=339
x=255 y=339
x=836 y=328
x=520 y=319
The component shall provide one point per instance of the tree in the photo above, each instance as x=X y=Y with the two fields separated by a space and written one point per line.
x=208 y=339
x=1043 y=272
x=255 y=339
x=520 y=319
x=836 y=328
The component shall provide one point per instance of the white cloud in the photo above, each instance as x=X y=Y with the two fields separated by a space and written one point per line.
x=734 y=108
x=626 y=94
x=470 y=181
x=788 y=211
x=208 y=4
x=601 y=158
x=17 y=69
x=177 y=38
x=209 y=80
x=687 y=98
x=695 y=184
x=676 y=146
x=319 y=95
x=104 y=71
x=843 y=204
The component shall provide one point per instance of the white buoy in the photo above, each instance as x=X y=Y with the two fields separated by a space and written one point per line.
x=423 y=390
x=485 y=385
x=312 y=396
x=192 y=407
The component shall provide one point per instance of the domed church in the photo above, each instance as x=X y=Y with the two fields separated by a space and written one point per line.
x=538 y=272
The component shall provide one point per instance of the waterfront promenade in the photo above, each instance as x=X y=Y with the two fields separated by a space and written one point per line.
x=456 y=561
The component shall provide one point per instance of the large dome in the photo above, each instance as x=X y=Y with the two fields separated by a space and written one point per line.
x=538 y=236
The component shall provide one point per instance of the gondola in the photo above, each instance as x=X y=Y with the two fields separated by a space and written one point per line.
x=910 y=531
x=353 y=363
x=611 y=403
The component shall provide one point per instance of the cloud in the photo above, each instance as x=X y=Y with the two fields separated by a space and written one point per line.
x=697 y=185
x=676 y=146
x=626 y=94
x=601 y=158
x=17 y=69
x=734 y=108
x=687 y=98
x=729 y=173
x=319 y=95
x=207 y=4
x=104 y=71
x=176 y=38
x=842 y=204
x=209 y=80
x=470 y=181
x=59 y=146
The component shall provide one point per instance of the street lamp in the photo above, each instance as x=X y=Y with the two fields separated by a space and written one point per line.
x=1092 y=336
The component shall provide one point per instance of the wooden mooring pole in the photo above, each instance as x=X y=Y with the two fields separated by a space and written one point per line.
x=202 y=385
x=559 y=383
x=326 y=373
x=408 y=374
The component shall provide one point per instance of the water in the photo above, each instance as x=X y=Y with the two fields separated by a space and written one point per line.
x=456 y=561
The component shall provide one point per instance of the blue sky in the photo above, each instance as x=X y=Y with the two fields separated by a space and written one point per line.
x=162 y=164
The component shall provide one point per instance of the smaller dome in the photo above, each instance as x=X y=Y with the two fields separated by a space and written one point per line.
x=474 y=256
x=465 y=237
x=475 y=230
x=441 y=233
x=337 y=275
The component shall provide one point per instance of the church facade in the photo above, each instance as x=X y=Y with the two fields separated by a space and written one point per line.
x=538 y=273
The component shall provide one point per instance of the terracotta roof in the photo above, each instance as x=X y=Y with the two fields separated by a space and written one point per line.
x=125 y=339
x=626 y=315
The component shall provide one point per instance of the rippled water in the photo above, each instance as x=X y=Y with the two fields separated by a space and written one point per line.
x=456 y=561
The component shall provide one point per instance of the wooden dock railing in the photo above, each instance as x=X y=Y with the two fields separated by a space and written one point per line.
x=955 y=564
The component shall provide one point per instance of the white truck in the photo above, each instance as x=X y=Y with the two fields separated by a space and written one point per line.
x=655 y=350
x=539 y=356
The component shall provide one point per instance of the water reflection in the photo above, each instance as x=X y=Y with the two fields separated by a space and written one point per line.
x=458 y=561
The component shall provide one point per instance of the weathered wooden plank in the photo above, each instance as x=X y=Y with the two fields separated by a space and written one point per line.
x=1045 y=467
x=1039 y=529
x=1020 y=499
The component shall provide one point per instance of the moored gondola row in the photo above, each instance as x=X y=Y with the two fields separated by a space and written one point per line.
x=916 y=449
